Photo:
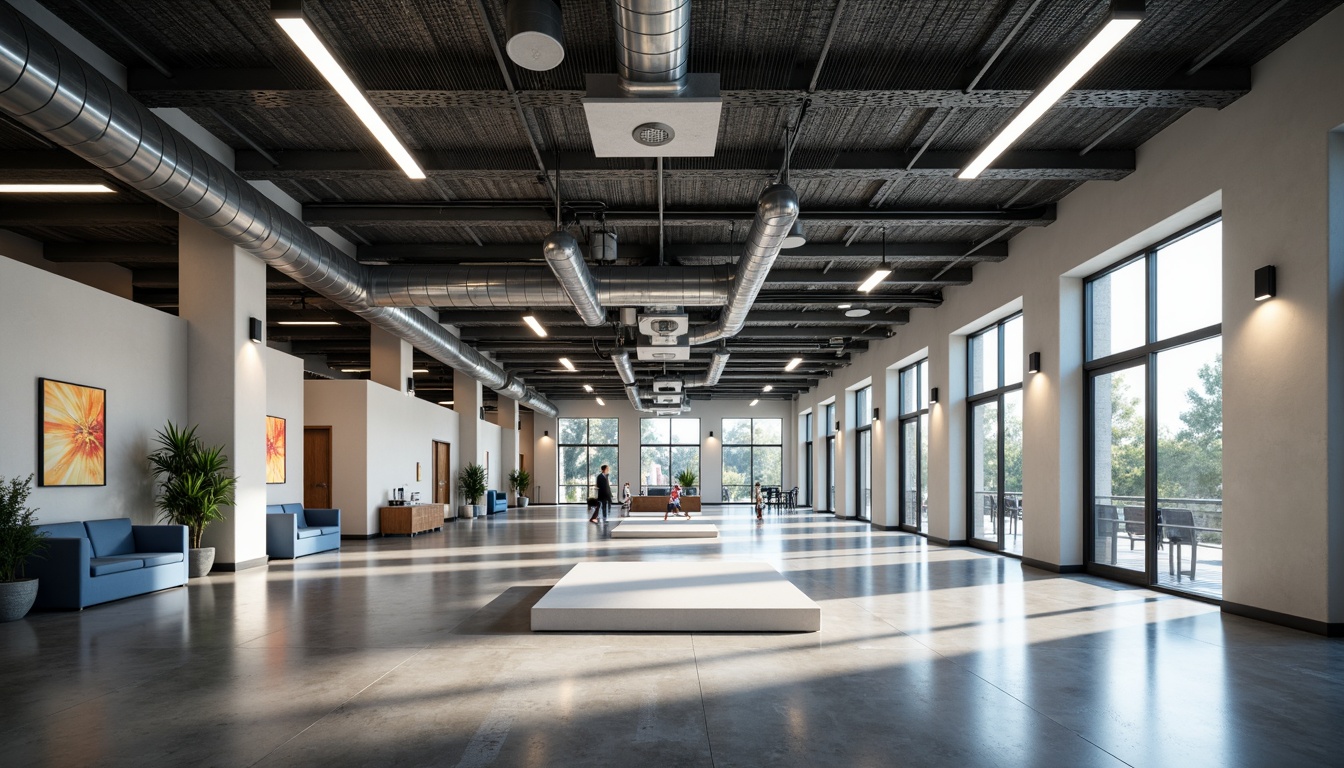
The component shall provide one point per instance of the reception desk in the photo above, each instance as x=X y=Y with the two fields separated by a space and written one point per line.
x=659 y=503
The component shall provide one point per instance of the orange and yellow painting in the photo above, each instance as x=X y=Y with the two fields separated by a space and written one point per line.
x=74 y=449
x=275 y=449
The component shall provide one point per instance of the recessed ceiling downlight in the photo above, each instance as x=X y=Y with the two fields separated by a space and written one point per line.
x=653 y=134
x=857 y=312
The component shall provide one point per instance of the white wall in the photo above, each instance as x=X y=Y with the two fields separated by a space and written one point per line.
x=1263 y=162
x=378 y=435
x=284 y=398
x=711 y=414
x=56 y=328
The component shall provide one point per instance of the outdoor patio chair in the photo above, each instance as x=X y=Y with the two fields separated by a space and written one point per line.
x=1178 y=528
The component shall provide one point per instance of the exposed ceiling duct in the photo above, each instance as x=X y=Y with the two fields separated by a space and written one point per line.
x=776 y=210
x=717 y=363
x=653 y=107
x=46 y=87
x=523 y=287
x=565 y=258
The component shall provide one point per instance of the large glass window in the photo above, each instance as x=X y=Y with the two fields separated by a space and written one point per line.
x=996 y=510
x=863 y=457
x=667 y=448
x=1155 y=417
x=753 y=452
x=914 y=449
x=585 y=445
x=807 y=460
x=829 y=431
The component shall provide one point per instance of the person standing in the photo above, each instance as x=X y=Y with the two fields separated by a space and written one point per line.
x=603 y=495
x=760 y=502
x=625 y=500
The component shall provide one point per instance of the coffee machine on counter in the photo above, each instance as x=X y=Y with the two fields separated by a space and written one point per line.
x=397 y=497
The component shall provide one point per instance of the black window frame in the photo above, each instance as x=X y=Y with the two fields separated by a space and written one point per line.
x=859 y=431
x=669 y=445
x=587 y=444
x=972 y=401
x=753 y=445
x=917 y=416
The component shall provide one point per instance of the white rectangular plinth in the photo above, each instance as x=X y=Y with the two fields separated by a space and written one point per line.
x=671 y=529
x=675 y=596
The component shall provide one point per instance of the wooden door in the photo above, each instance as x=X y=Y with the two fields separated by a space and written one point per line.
x=317 y=467
x=442 y=461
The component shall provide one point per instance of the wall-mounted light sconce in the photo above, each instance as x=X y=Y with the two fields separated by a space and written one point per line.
x=933 y=395
x=410 y=385
x=837 y=426
x=546 y=433
x=482 y=413
x=877 y=413
x=1034 y=362
x=254 y=329
x=1265 y=283
x=711 y=433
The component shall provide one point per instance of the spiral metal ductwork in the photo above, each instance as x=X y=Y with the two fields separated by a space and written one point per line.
x=776 y=210
x=524 y=287
x=717 y=363
x=46 y=87
x=652 y=43
x=565 y=259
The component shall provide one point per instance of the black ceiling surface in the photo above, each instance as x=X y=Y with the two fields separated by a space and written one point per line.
x=890 y=89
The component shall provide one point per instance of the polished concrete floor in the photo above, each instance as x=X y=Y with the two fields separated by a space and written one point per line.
x=417 y=652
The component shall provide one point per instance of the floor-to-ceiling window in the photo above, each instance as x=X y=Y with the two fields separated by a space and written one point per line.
x=753 y=452
x=1155 y=415
x=807 y=460
x=996 y=510
x=585 y=445
x=863 y=457
x=667 y=449
x=829 y=426
x=914 y=448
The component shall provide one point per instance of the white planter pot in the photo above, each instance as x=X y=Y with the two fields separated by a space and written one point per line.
x=464 y=511
x=16 y=598
x=522 y=501
x=200 y=561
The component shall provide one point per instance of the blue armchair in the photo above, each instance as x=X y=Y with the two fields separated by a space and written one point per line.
x=98 y=561
x=495 y=502
x=292 y=531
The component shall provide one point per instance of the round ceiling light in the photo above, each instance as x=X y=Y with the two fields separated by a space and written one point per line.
x=857 y=312
x=653 y=134
x=536 y=34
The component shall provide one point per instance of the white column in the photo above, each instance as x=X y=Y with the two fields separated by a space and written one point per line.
x=467 y=398
x=220 y=288
x=508 y=443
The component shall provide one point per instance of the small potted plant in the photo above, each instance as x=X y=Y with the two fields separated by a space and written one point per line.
x=19 y=540
x=194 y=482
x=687 y=478
x=471 y=484
x=519 y=481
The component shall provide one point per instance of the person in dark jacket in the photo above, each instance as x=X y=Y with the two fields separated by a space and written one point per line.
x=603 y=495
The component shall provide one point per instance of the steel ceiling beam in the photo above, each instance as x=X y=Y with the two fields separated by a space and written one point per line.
x=272 y=89
x=110 y=253
x=689 y=254
x=542 y=212
x=474 y=318
x=84 y=214
x=601 y=334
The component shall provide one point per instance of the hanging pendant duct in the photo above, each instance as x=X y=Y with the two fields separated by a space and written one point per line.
x=717 y=364
x=536 y=34
x=565 y=258
x=776 y=211
x=46 y=87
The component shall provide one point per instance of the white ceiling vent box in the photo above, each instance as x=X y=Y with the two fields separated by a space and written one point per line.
x=653 y=124
x=681 y=350
x=667 y=399
x=664 y=337
x=664 y=384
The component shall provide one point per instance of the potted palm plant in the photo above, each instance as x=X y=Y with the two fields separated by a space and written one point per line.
x=687 y=479
x=471 y=484
x=519 y=481
x=194 y=482
x=19 y=540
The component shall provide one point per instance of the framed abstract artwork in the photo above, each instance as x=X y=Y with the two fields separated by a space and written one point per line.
x=275 y=450
x=74 y=438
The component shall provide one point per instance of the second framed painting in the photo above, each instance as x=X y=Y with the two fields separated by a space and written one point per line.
x=275 y=450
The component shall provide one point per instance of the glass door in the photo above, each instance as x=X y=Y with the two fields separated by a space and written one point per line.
x=985 y=478
x=1119 y=469
x=994 y=444
x=864 y=475
x=830 y=473
x=911 y=488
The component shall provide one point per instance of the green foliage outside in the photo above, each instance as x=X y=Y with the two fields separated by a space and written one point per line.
x=19 y=538
x=194 y=480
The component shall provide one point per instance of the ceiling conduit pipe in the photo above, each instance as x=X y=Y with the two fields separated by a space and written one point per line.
x=565 y=258
x=776 y=211
x=525 y=287
x=46 y=87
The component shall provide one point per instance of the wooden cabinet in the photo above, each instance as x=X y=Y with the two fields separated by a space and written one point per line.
x=659 y=503
x=412 y=519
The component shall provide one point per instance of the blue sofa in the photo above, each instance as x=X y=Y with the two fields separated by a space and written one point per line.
x=495 y=502
x=97 y=561
x=292 y=531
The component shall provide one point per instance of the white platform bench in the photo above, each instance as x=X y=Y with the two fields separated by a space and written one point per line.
x=675 y=596
x=672 y=529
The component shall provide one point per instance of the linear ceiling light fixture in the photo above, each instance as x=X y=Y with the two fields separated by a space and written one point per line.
x=754 y=402
x=1124 y=16
x=600 y=401
x=587 y=387
x=794 y=363
x=879 y=274
x=53 y=189
x=289 y=15
x=568 y=365
x=767 y=387
x=535 y=325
